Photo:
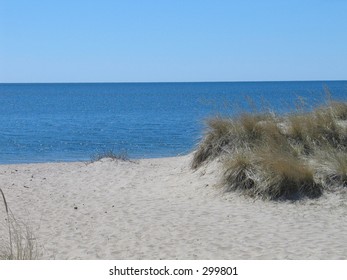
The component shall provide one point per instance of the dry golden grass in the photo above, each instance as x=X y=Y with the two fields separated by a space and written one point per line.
x=218 y=136
x=239 y=173
x=225 y=135
x=248 y=127
x=331 y=167
x=283 y=175
x=275 y=157
x=270 y=174
x=317 y=128
x=337 y=109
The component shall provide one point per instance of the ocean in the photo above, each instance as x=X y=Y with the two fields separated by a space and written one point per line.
x=73 y=122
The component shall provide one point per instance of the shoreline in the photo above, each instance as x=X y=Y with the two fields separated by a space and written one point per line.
x=90 y=160
x=162 y=209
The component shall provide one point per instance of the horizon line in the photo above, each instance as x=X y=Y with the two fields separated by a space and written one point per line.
x=176 y=82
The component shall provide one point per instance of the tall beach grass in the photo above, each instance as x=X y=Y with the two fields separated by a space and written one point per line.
x=19 y=243
x=272 y=156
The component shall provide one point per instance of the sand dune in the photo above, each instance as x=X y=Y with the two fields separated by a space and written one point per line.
x=161 y=209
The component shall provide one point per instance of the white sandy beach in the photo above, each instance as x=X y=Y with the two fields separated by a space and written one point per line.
x=161 y=209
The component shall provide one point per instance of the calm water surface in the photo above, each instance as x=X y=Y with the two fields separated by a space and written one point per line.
x=71 y=122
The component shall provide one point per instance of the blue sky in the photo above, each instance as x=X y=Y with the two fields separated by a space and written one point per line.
x=163 y=40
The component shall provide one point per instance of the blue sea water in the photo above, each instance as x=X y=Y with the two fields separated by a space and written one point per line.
x=71 y=122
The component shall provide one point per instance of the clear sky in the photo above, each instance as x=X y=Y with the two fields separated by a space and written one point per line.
x=172 y=40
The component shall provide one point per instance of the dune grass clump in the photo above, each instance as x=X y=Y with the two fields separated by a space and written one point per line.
x=123 y=156
x=20 y=244
x=270 y=175
x=239 y=173
x=225 y=135
x=337 y=109
x=317 y=128
x=332 y=167
x=285 y=176
x=218 y=136
x=279 y=157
